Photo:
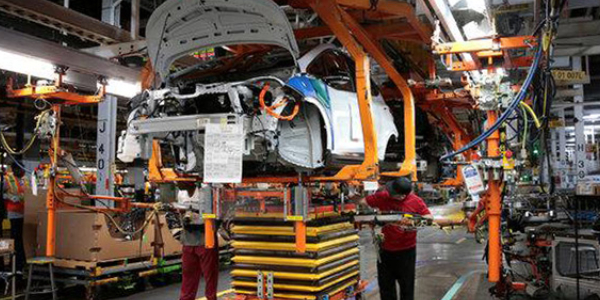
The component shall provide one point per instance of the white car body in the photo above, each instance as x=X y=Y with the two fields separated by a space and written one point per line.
x=178 y=28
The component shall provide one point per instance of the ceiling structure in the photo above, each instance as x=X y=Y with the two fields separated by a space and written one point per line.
x=83 y=28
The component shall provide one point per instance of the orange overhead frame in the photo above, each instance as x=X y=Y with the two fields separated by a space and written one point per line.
x=490 y=50
x=329 y=12
x=409 y=167
x=356 y=38
x=57 y=95
x=55 y=92
x=395 y=9
x=486 y=45
x=458 y=136
x=394 y=30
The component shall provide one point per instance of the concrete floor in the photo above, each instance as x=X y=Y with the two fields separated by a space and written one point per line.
x=442 y=259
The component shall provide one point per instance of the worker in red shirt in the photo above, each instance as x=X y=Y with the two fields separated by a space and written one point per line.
x=397 y=257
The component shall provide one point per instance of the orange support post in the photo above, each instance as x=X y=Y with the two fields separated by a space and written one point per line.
x=155 y=163
x=209 y=229
x=300 y=228
x=494 y=207
x=50 y=201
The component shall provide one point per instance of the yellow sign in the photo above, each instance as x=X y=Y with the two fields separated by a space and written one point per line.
x=209 y=216
x=295 y=218
x=568 y=77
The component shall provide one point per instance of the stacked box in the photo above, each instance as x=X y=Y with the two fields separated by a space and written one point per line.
x=329 y=266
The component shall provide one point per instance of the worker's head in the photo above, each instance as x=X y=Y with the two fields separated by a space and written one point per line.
x=17 y=170
x=399 y=188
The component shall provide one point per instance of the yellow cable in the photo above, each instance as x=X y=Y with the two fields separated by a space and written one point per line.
x=532 y=113
x=31 y=141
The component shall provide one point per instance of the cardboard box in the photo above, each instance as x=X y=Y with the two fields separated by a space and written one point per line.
x=164 y=238
x=85 y=236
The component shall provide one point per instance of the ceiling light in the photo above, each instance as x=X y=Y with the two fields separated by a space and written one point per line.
x=592 y=117
x=477 y=5
x=123 y=88
x=26 y=65
x=42 y=69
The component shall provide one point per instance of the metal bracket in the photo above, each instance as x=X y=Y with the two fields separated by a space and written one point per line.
x=260 y=285
x=270 y=283
x=180 y=123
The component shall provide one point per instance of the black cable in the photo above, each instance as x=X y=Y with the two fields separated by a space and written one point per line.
x=514 y=104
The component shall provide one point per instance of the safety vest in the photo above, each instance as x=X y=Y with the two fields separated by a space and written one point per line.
x=15 y=195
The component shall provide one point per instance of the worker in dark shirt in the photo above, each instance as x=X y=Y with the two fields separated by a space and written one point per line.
x=398 y=251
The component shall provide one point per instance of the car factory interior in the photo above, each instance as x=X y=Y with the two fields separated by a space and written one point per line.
x=299 y=149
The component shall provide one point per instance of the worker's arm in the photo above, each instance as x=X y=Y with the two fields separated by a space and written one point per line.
x=428 y=218
x=425 y=213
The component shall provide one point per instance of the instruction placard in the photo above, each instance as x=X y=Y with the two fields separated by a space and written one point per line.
x=223 y=152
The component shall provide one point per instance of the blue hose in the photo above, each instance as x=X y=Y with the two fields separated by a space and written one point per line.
x=520 y=96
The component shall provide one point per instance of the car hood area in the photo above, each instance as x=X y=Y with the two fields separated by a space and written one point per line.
x=178 y=28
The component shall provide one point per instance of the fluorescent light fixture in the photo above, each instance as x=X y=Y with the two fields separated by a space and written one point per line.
x=123 y=88
x=42 y=69
x=477 y=5
x=592 y=117
x=26 y=65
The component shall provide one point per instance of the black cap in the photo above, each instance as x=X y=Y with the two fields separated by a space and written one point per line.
x=399 y=186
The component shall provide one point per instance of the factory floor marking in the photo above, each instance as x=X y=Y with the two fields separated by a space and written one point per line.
x=461 y=240
x=457 y=285
x=219 y=294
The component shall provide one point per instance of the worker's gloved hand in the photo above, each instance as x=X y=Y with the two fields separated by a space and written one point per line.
x=406 y=222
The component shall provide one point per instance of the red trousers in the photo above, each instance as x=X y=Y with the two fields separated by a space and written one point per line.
x=198 y=261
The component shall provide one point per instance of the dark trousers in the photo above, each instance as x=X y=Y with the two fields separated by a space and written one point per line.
x=16 y=233
x=397 y=267
x=197 y=261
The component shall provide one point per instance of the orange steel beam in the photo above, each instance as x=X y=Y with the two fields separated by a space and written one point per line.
x=54 y=92
x=459 y=135
x=450 y=99
x=494 y=207
x=396 y=30
x=330 y=14
x=409 y=166
x=400 y=9
x=518 y=62
x=456 y=133
x=497 y=44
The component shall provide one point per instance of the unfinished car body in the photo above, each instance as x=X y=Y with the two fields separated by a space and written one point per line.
x=283 y=103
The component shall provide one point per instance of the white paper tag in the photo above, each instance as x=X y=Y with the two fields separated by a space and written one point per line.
x=223 y=152
x=33 y=184
x=370 y=186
